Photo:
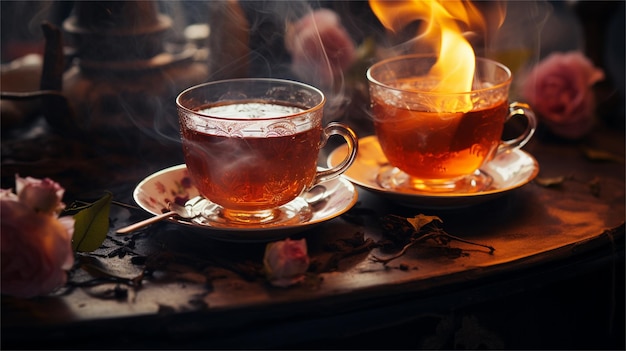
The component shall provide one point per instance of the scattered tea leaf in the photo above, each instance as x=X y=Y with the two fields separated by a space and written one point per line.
x=101 y=274
x=602 y=155
x=550 y=181
x=421 y=220
x=420 y=234
x=91 y=225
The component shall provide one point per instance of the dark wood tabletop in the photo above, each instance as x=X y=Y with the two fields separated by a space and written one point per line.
x=167 y=286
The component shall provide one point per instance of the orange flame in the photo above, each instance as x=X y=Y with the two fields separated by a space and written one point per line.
x=444 y=19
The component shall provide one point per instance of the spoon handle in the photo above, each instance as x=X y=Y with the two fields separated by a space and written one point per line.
x=144 y=223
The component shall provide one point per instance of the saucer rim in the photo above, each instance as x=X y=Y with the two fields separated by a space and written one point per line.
x=288 y=229
x=413 y=199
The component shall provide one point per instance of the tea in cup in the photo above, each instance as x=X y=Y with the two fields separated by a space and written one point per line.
x=437 y=141
x=251 y=147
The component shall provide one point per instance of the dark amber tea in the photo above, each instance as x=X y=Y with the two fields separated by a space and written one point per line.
x=437 y=145
x=251 y=169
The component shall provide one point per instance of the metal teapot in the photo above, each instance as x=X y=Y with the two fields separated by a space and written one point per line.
x=120 y=83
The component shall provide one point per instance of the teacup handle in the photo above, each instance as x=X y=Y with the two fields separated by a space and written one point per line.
x=519 y=109
x=336 y=128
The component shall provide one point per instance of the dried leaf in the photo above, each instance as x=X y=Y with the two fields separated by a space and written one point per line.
x=101 y=274
x=92 y=225
x=421 y=220
x=93 y=266
x=602 y=155
x=439 y=236
x=551 y=181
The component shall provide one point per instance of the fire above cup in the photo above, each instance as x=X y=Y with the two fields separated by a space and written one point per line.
x=251 y=147
x=437 y=141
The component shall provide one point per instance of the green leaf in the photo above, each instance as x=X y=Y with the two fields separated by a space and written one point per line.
x=421 y=220
x=91 y=225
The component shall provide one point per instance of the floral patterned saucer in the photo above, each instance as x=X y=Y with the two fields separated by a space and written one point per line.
x=174 y=185
x=509 y=171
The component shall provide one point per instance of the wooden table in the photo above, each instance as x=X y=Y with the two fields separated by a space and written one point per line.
x=555 y=279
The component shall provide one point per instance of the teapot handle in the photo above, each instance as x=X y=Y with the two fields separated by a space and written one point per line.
x=56 y=108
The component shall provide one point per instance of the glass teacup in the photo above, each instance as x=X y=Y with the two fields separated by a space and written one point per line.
x=251 y=147
x=434 y=142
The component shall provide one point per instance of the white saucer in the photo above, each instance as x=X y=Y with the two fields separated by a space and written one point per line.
x=509 y=170
x=174 y=185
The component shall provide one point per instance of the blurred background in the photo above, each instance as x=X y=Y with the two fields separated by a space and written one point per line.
x=97 y=80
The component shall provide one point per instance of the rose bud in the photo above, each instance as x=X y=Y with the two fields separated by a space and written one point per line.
x=286 y=262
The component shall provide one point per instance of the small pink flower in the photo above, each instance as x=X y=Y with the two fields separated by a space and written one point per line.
x=36 y=245
x=320 y=47
x=286 y=262
x=559 y=90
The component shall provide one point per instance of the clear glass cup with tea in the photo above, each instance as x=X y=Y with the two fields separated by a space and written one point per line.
x=251 y=148
x=436 y=142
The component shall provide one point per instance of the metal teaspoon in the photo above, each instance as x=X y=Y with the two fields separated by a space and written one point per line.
x=174 y=209
x=314 y=196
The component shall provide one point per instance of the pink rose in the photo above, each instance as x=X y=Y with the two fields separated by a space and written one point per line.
x=40 y=195
x=286 y=262
x=320 y=47
x=36 y=244
x=559 y=90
